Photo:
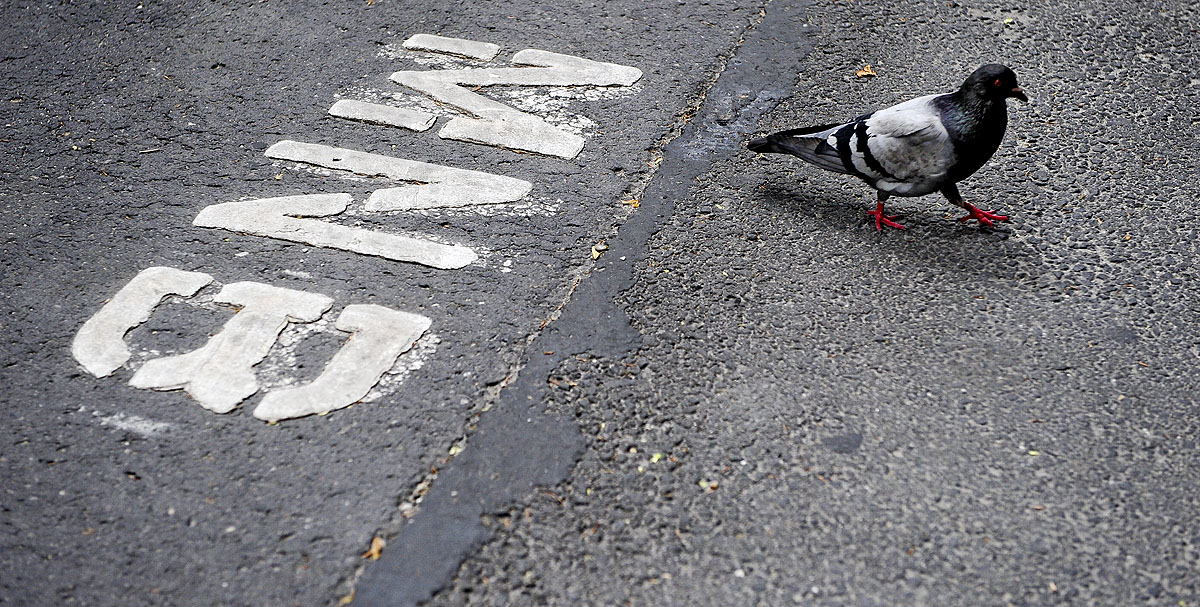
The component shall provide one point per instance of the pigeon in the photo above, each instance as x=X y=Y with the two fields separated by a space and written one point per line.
x=917 y=147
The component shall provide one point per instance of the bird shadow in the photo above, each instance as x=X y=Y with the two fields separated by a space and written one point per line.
x=931 y=238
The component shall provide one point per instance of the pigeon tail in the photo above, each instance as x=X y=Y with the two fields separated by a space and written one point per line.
x=806 y=143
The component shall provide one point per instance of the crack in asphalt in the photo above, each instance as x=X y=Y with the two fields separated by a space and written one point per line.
x=517 y=446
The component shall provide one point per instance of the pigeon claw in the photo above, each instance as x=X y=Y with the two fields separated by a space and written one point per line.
x=884 y=220
x=986 y=218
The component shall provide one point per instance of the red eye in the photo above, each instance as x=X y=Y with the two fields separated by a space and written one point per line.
x=996 y=83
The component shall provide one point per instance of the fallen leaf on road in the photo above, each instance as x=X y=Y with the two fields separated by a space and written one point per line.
x=375 y=550
x=865 y=72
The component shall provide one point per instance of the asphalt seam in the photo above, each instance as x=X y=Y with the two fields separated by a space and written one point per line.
x=657 y=152
x=750 y=111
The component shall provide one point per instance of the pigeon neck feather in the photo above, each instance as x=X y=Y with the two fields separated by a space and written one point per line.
x=969 y=116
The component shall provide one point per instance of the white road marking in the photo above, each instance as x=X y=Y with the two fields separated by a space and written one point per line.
x=384 y=345
x=100 y=344
x=133 y=423
x=220 y=374
x=382 y=114
x=379 y=336
x=500 y=125
x=442 y=186
x=483 y=51
x=274 y=218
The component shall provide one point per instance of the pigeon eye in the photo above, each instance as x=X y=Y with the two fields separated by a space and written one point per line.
x=996 y=83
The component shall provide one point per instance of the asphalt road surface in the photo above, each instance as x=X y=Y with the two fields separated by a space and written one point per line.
x=666 y=371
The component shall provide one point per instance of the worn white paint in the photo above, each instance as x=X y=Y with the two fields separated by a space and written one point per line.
x=500 y=125
x=100 y=344
x=482 y=51
x=377 y=113
x=133 y=423
x=220 y=374
x=409 y=362
x=441 y=186
x=378 y=337
x=278 y=218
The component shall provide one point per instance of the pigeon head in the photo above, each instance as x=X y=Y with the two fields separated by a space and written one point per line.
x=994 y=82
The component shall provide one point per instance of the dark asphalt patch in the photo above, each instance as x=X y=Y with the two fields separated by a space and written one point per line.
x=843 y=443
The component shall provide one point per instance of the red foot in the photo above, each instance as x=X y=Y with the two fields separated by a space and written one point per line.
x=985 y=217
x=884 y=220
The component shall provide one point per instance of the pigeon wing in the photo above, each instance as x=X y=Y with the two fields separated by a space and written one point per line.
x=904 y=149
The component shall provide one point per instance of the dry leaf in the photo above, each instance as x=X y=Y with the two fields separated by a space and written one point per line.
x=865 y=71
x=376 y=549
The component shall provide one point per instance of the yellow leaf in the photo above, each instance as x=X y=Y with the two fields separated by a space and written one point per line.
x=375 y=550
x=865 y=71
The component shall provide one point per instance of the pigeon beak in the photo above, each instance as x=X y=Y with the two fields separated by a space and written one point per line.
x=1019 y=94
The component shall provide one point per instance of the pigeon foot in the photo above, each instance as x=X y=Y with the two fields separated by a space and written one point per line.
x=884 y=220
x=986 y=218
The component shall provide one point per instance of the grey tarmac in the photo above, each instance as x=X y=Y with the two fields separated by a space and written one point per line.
x=677 y=373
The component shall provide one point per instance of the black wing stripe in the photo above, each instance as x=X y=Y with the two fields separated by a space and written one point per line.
x=865 y=150
x=843 y=148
